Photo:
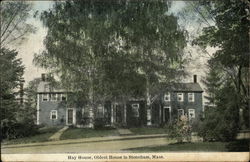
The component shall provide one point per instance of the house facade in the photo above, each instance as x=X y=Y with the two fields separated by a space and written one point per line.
x=53 y=108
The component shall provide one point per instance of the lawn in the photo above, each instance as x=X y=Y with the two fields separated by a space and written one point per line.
x=233 y=146
x=198 y=146
x=42 y=136
x=143 y=131
x=74 y=133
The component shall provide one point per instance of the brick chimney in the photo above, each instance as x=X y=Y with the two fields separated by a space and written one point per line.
x=195 y=78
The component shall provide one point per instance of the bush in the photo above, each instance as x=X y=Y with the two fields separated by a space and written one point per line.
x=99 y=123
x=180 y=130
x=12 y=130
x=218 y=125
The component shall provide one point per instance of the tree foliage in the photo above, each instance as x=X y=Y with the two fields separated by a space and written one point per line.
x=222 y=121
x=228 y=78
x=11 y=71
x=112 y=49
x=14 y=26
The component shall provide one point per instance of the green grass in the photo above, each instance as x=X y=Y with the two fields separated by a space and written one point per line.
x=197 y=146
x=74 y=133
x=42 y=136
x=143 y=131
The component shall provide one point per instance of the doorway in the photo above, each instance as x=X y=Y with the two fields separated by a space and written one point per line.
x=166 y=114
x=70 y=116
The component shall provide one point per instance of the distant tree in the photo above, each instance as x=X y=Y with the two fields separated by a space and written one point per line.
x=27 y=113
x=14 y=27
x=213 y=81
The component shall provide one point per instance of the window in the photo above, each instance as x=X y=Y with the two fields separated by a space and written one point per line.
x=135 y=110
x=64 y=97
x=180 y=113
x=46 y=88
x=45 y=97
x=190 y=97
x=191 y=114
x=106 y=113
x=99 y=111
x=58 y=97
x=82 y=111
x=180 y=97
x=53 y=114
x=53 y=97
x=167 y=97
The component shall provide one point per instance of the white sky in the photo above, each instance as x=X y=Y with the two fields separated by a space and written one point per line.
x=34 y=44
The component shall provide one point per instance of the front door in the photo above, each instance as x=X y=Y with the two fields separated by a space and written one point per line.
x=166 y=114
x=118 y=112
x=70 y=117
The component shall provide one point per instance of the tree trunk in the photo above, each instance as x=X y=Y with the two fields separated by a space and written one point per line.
x=124 y=113
x=91 y=100
x=148 y=105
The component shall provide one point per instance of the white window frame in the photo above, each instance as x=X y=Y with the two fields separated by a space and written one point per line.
x=100 y=108
x=189 y=111
x=192 y=94
x=182 y=97
x=47 y=97
x=182 y=114
x=135 y=107
x=167 y=95
x=51 y=98
x=83 y=111
x=51 y=114
x=74 y=116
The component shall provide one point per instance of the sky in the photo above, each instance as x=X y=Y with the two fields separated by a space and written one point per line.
x=34 y=44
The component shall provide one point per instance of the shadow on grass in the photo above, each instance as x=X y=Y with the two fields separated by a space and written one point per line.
x=238 y=145
x=233 y=146
x=76 y=133
x=42 y=136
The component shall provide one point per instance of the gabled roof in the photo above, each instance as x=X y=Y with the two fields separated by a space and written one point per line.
x=186 y=87
x=41 y=88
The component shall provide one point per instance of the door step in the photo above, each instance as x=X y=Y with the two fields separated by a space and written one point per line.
x=124 y=132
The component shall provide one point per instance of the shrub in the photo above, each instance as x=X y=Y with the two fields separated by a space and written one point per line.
x=218 y=125
x=12 y=130
x=180 y=130
x=99 y=123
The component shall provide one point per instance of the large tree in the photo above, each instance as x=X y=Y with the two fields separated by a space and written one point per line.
x=115 y=49
x=11 y=71
x=14 y=28
x=230 y=35
x=156 y=42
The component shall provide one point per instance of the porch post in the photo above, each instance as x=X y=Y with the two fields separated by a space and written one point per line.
x=160 y=116
x=37 y=110
x=148 y=104
x=112 y=114
x=149 y=111
x=149 y=117
x=125 y=115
